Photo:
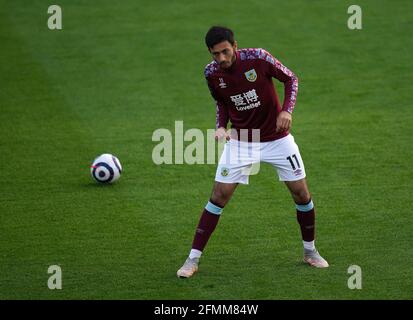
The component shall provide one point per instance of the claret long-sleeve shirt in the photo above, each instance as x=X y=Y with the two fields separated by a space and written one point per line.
x=246 y=96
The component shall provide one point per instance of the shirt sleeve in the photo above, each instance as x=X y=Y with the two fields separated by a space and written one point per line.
x=277 y=70
x=222 y=116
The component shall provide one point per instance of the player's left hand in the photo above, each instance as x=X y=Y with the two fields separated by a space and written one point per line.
x=284 y=120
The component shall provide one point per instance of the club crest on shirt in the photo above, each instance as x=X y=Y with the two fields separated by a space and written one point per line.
x=251 y=75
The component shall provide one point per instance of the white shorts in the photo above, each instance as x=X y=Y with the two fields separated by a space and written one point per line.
x=241 y=159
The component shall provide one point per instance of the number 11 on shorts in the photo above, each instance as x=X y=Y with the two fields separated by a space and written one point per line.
x=292 y=163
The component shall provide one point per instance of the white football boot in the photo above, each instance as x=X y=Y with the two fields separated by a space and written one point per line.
x=313 y=258
x=189 y=268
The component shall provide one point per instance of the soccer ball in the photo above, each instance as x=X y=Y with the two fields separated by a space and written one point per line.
x=106 y=168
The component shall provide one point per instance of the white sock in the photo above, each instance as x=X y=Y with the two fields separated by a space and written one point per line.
x=195 y=254
x=309 y=245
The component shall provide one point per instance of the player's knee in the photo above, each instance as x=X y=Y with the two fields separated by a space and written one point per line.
x=220 y=197
x=302 y=196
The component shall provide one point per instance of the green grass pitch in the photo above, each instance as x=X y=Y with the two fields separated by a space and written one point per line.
x=118 y=71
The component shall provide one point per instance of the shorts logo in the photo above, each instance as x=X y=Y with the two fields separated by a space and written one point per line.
x=251 y=75
x=298 y=172
x=224 y=172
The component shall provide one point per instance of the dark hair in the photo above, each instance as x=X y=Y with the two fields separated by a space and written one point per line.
x=217 y=35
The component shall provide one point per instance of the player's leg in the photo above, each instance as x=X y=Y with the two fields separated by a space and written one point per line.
x=284 y=155
x=306 y=219
x=305 y=210
x=231 y=170
x=220 y=196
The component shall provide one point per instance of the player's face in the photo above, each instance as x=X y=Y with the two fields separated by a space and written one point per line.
x=224 y=54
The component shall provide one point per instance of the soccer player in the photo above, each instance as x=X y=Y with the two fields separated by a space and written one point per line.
x=240 y=81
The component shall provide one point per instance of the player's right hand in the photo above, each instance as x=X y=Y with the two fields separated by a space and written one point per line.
x=222 y=134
